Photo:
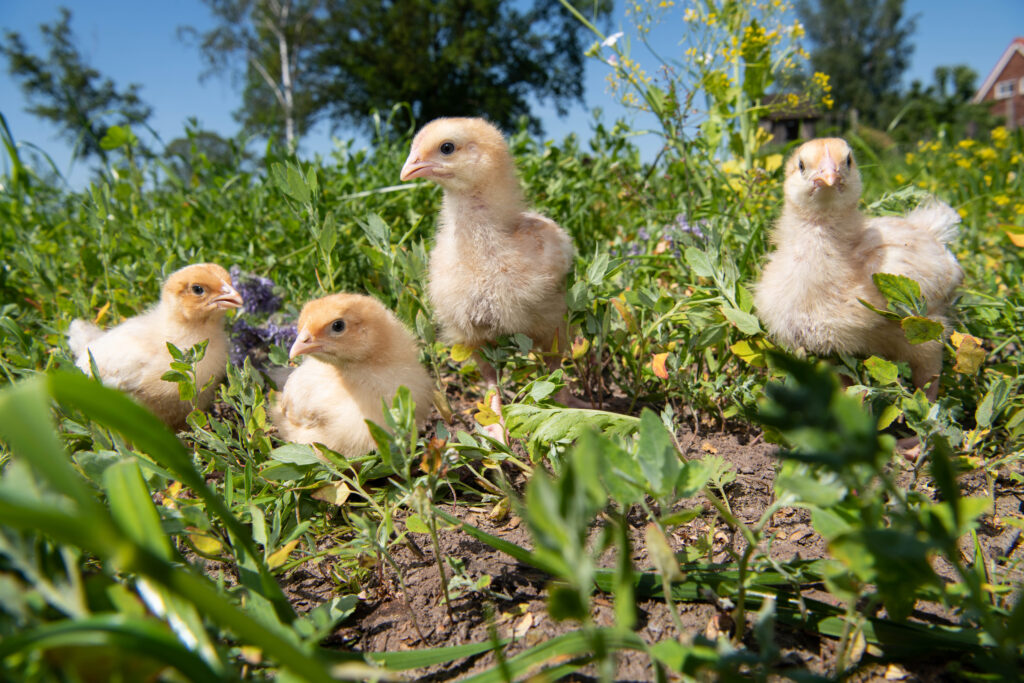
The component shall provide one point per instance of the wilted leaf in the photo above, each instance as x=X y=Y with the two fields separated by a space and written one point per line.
x=1016 y=237
x=335 y=493
x=280 y=556
x=206 y=544
x=485 y=415
x=969 y=354
x=658 y=365
x=752 y=352
x=580 y=346
x=620 y=306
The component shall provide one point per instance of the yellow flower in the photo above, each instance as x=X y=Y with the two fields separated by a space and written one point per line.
x=965 y=144
x=899 y=179
x=909 y=159
x=1019 y=209
x=987 y=154
x=988 y=179
x=963 y=163
x=963 y=214
x=999 y=136
x=1001 y=200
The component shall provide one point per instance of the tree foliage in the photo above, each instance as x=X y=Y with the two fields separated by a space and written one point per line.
x=863 y=45
x=945 y=104
x=274 y=39
x=458 y=57
x=61 y=87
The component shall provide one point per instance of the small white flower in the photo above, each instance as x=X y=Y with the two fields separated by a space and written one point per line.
x=611 y=40
x=613 y=61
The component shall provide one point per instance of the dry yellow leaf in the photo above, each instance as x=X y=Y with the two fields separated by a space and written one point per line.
x=335 y=493
x=102 y=313
x=208 y=545
x=658 y=365
x=1016 y=237
x=280 y=556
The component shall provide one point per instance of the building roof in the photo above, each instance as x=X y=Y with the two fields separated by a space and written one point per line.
x=1016 y=45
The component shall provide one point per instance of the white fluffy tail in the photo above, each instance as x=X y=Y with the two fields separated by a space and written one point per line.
x=938 y=218
x=81 y=333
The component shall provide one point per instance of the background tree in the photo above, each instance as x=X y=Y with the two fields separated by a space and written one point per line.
x=63 y=89
x=274 y=39
x=864 y=47
x=453 y=57
x=943 y=105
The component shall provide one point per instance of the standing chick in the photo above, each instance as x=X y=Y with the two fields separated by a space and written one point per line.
x=497 y=268
x=133 y=356
x=826 y=253
x=359 y=354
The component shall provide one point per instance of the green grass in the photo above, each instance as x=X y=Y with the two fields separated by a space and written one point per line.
x=88 y=561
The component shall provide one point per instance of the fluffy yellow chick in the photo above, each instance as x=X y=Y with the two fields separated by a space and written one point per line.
x=826 y=252
x=133 y=355
x=358 y=355
x=496 y=268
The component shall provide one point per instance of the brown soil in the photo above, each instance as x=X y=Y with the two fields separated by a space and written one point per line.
x=390 y=618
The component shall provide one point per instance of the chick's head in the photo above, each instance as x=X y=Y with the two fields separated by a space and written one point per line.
x=343 y=328
x=198 y=292
x=822 y=175
x=459 y=154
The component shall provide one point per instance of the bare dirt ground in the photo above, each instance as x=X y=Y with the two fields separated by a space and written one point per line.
x=392 y=619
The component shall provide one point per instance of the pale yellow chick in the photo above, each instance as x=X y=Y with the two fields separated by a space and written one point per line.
x=133 y=356
x=496 y=268
x=827 y=251
x=359 y=354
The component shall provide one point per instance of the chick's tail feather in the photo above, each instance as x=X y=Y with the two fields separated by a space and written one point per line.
x=938 y=218
x=81 y=333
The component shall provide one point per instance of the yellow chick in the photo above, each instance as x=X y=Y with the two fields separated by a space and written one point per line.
x=133 y=356
x=496 y=268
x=359 y=354
x=826 y=252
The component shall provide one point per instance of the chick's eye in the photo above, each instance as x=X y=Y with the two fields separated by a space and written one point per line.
x=447 y=148
x=198 y=290
x=849 y=160
x=801 y=165
x=338 y=326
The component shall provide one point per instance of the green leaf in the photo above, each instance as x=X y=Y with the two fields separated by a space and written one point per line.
x=296 y=454
x=882 y=371
x=597 y=268
x=117 y=136
x=699 y=262
x=541 y=390
x=132 y=507
x=889 y=414
x=657 y=455
x=565 y=602
x=544 y=425
x=744 y=322
x=898 y=290
x=415 y=524
x=920 y=330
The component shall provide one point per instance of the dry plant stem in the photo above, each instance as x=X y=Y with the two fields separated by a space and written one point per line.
x=382 y=552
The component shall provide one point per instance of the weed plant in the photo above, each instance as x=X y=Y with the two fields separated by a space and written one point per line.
x=108 y=520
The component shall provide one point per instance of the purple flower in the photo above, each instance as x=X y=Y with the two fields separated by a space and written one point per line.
x=258 y=292
x=682 y=225
x=642 y=234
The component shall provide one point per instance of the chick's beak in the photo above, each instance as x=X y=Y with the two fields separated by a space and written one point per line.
x=228 y=298
x=415 y=167
x=304 y=343
x=827 y=175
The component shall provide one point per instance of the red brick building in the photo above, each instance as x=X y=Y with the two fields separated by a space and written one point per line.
x=1003 y=90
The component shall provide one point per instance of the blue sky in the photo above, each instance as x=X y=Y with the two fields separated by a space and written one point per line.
x=136 y=42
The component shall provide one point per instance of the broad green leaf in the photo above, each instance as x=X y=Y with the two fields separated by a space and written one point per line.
x=898 y=289
x=416 y=525
x=889 y=414
x=882 y=371
x=544 y=425
x=699 y=262
x=657 y=455
x=920 y=330
x=296 y=454
x=744 y=322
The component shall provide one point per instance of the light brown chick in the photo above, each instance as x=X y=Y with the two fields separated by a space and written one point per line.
x=496 y=268
x=827 y=251
x=133 y=356
x=359 y=354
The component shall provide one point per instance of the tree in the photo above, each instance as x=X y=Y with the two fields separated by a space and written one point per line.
x=863 y=45
x=63 y=89
x=453 y=57
x=944 y=105
x=274 y=37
